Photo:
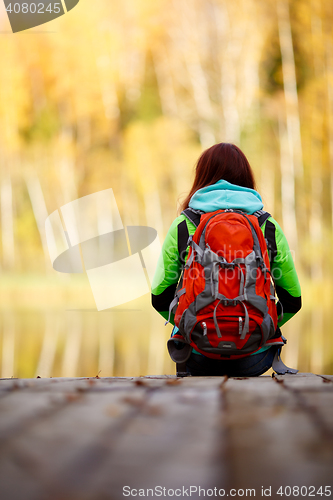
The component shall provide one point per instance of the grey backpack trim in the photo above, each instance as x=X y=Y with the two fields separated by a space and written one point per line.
x=211 y=263
x=279 y=367
x=193 y=215
x=180 y=354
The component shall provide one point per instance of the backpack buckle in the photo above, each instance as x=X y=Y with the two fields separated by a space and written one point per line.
x=229 y=302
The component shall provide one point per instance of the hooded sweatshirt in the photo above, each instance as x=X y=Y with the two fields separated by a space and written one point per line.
x=222 y=195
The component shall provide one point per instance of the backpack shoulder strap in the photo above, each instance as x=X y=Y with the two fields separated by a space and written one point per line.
x=270 y=230
x=183 y=234
x=269 y=233
x=262 y=216
x=193 y=215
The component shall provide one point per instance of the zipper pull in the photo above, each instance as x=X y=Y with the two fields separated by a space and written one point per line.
x=240 y=320
x=204 y=326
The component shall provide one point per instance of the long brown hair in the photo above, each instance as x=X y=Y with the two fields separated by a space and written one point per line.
x=221 y=161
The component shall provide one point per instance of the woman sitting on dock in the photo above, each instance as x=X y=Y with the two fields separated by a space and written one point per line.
x=225 y=332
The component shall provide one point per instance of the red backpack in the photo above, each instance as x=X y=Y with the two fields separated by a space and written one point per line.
x=226 y=298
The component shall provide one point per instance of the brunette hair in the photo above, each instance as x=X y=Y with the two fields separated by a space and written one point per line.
x=222 y=161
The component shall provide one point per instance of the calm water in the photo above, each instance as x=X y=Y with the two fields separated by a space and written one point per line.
x=51 y=328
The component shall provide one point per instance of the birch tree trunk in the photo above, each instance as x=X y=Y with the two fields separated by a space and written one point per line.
x=40 y=211
x=290 y=140
x=329 y=83
x=153 y=208
x=287 y=187
x=239 y=54
x=7 y=223
x=106 y=351
x=156 y=349
x=66 y=170
x=106 y=83
x=317 y=123
x=8 y=345
x=191 y=48
x=232 y=45
x=317 y=340
x=165 y=84
x=49 y=346
x=73 y=343
x=294 y=332
x=267 y=186
x=290 y=86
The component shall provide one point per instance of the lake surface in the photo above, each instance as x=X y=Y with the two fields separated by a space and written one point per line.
x=50 y=327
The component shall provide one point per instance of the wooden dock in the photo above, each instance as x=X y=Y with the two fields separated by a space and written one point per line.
x=112 y=438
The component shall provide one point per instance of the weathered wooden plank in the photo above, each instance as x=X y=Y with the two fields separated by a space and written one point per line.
x=180 y=444
x=30 y=401
x=302 y=381
x=87 y=438
x=315 y=395
x=320 y=407
x=123 y=432
x=272 y=440
x=19 y=409
x=36 y=460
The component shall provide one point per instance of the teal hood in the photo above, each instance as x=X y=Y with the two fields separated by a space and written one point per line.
x=223 y=194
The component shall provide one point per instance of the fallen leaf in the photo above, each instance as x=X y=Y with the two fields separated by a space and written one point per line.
x=133 y=401
x=173 y=381
x=72 y=397
x=139 y=381
x=154 y=410
x=112 y=411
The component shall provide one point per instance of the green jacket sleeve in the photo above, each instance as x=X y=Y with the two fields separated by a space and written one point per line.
x=284 y=272
x=169 y=269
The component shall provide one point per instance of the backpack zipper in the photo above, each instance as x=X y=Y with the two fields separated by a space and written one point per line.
x=204 y=326
x=240 y=320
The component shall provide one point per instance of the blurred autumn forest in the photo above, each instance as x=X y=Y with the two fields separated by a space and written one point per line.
x=127 y=95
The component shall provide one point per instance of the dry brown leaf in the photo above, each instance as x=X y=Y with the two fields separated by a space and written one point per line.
x=154 y=410
x=139 y=381
x=133 y=401
x=71 y=397
x=173 y=381
x=113 y=411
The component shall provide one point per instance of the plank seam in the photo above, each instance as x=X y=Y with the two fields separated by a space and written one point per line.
x=311 y=411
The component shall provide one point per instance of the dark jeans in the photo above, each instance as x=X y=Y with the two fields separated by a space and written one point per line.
x=250 y=366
